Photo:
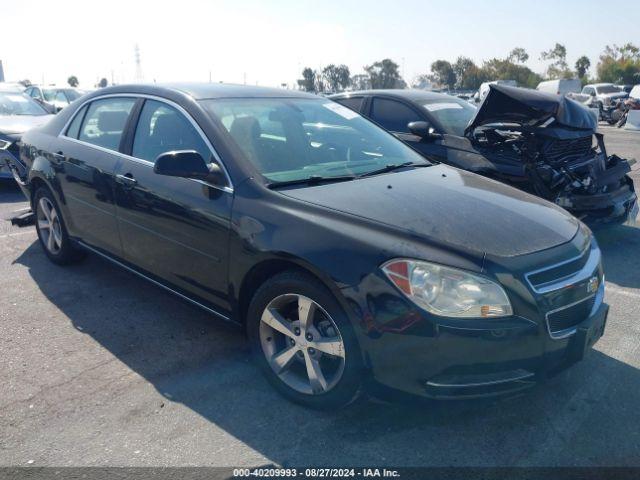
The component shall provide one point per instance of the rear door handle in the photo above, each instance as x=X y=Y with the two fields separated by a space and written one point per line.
x=127 y=180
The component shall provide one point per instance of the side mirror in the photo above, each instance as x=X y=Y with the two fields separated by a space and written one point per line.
x=423 y=130
x=187 y=164
x=593 y=94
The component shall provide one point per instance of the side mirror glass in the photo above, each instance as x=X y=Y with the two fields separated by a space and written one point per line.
x=187 y=164
x=423 y=130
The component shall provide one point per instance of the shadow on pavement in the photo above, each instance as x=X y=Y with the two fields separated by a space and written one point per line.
x=587 y=415
x=10 y=192
x=620 y=247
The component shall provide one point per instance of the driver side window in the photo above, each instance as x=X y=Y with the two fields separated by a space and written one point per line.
x=393 y=116
x=161 y=128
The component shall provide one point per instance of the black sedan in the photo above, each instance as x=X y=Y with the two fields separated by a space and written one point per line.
x=350 y=260
x=542 y=143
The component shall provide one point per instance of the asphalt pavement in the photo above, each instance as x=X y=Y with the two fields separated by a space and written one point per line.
x=98 y=367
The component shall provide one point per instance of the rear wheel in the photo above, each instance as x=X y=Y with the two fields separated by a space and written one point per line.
x=52 y=231
x=304 y=343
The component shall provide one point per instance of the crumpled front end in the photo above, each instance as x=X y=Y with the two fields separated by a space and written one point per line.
x=583 y=179
x=561 y=156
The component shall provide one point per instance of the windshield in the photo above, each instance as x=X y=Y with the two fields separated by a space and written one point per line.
x=289 y=139
x=608 y=89
x=19 y=104
x=453 y=114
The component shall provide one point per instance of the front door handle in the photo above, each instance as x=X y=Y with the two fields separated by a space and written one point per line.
x=126 y=180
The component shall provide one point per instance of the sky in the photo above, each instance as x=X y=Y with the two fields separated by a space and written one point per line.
x=270 y=42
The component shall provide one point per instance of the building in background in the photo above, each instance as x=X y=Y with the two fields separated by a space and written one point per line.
x=1 y=72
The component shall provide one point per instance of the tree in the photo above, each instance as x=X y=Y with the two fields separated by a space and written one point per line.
x=518 y=55
x=383 y=74
x=443 y=73
x=308 y=80
x=504 y=69
x=558 y=68
x=337 y=77
x=73 y=81
x=467 y=74
x=620 y=64
x=360 y=82
x=582 y=65
x=103 y=82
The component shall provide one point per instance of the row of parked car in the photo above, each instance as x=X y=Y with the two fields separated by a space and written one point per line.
x=369 y=241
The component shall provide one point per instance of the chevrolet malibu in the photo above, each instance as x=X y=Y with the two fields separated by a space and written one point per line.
x=351 y=261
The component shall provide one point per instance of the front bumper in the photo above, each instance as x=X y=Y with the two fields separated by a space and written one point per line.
x=484 y=361
x=611 y=208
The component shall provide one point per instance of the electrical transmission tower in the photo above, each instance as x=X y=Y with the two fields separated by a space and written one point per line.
x=139 y=76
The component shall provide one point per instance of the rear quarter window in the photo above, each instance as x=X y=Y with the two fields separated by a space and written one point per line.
x=354 y=103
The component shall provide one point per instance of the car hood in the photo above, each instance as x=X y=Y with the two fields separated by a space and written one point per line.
x=450 y=207
x=505 y=104
x=21 y=123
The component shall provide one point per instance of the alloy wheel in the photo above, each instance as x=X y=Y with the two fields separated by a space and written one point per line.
x=49 y=226
x=302 y=344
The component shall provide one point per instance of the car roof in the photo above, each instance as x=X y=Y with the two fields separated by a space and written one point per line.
x=411 y=94
x=201 y=91
x=600 y=85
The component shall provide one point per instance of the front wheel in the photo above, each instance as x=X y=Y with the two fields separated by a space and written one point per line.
x=304 y=343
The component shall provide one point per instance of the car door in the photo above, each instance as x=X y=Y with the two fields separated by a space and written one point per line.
x=394 y=116
x=176 y=229
x=86 y=155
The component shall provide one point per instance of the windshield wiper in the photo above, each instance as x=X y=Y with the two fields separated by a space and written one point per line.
x=312 y=180
x=394 y=166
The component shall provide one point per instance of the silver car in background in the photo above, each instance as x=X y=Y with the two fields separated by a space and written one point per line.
x=18 y=113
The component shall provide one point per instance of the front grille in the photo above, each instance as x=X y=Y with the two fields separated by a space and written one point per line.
x=559 y=272
x=565 y=320
x=567 y=149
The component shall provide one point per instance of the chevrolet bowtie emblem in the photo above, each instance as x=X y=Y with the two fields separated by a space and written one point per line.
x=593 y=284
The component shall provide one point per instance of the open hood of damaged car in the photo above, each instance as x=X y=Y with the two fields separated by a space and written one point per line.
x=531 y=108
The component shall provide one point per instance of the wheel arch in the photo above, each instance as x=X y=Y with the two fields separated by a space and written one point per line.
x=262 y=271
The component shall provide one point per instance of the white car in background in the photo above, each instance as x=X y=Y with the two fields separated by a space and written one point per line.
x=599 y=95
x=561 y=86
x=484 y=88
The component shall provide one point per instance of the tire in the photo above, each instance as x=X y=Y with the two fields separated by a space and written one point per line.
x=278 y=302
x=48 y=218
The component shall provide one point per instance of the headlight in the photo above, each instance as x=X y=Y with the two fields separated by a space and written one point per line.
x=4 y=144
x=448 y=291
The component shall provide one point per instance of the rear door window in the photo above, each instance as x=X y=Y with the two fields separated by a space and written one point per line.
x=392 y=115
x=104 y=122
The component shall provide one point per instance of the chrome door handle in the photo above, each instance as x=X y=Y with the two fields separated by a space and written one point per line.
x=127 y=180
